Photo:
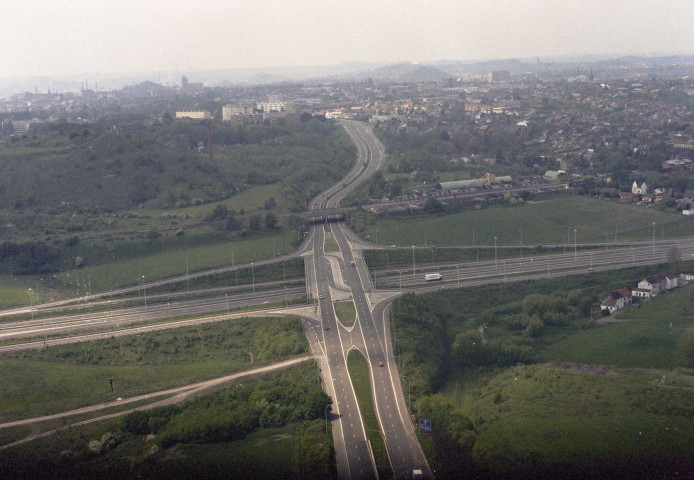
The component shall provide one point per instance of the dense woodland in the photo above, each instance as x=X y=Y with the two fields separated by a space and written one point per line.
x=98 y=170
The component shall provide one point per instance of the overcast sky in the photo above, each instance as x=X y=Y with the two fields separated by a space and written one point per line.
x=50 y=37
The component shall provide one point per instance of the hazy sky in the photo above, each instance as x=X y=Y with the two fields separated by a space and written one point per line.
x=49 y=37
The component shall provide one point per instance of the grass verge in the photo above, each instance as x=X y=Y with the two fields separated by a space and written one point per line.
x=330 y=245
x=346 y=312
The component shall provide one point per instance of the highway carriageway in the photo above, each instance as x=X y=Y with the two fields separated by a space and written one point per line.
x=112 y=319
x=582 y=261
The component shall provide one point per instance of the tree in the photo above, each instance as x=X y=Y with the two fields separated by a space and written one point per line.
x=684 y=349
x=270 y=220
x=254 y=222
x=674 y=258
x=432 y=205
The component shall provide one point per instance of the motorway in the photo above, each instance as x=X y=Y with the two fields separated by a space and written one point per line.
x=116 y=318
x=369 y=335
x=466 y=274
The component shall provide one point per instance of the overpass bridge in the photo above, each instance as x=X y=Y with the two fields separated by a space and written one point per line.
x=335 y=214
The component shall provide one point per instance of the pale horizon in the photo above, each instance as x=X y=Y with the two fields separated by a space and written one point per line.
x=51 y=38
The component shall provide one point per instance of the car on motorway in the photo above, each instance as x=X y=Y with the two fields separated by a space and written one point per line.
x=321 y=297
x=380 y=364
x=326 y=327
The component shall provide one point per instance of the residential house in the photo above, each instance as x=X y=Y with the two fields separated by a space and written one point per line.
x=639 y=190
x=650 y=287
x=653 y=285
x=616 y=300
x=688 y=197
x=671 y=281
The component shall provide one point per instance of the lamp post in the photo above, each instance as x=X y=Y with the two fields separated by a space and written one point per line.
x=496 y=264
x=653 y=237
x=31 y=302
x=521 y=244
x=575 y=245
x=144 y=290
x=253 y=277
x=414 y=267
x=228 y=312
x=457 y=268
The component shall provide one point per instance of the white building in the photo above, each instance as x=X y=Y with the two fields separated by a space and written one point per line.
x=269 y=106
x=642 y=190
x=195 y=114
x=229 y=111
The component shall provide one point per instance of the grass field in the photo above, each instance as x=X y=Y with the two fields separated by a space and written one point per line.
x=545 y=221
x=107 y=276
x=346 y=312
x=647 y=341
x=14 y=290
x=361 y=380
x=250 y=200
x=65 y=377
x=561 y=417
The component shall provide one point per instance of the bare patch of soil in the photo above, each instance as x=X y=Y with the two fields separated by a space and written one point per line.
x=600 y=370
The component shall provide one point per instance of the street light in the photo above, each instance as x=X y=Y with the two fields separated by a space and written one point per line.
x=653 y=237
x=521 y=244
x=253 y=277
x=496 y=264
x=575 y=245
x=31 y=302
x=144 y=290
x=228 y=313
x=414 y=267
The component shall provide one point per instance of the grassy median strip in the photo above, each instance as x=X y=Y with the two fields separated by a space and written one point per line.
x=331 y=245
x=359 y=372
x=346 y=312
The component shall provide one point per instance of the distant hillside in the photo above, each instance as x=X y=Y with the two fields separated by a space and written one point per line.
x=402 y=73
x=263 y=78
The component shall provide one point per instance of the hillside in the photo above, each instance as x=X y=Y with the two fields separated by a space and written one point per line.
x=100 y=171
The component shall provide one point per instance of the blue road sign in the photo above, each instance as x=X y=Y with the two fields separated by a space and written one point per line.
x=424 y=425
